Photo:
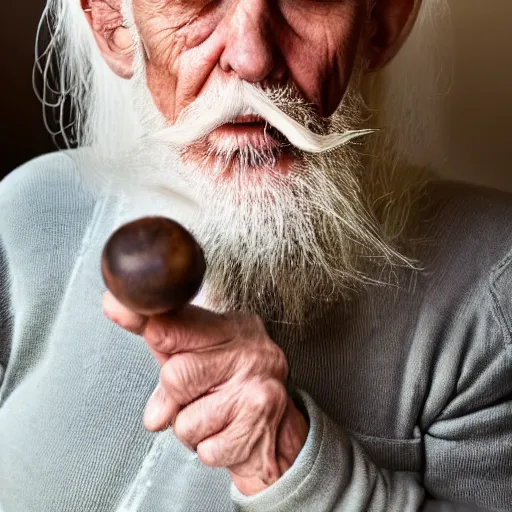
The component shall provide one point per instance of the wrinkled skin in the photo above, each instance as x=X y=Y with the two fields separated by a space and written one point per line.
x=190 y=42
x=223 y=379
x=312 y=42
x=222 y=387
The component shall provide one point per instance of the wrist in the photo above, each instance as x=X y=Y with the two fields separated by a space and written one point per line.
x=291 y=438
x=292 y=434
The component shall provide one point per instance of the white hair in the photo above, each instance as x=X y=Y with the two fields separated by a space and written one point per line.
x=323 y=227
x=404 y=95
x=72 y=78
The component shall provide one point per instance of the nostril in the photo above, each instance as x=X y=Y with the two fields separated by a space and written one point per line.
x=224 y=65
x=248 y=51
x=253 y=64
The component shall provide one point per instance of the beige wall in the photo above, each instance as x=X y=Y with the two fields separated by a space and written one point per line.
x=478 y=109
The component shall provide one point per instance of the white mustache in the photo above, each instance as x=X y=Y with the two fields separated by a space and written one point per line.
x=237 y=99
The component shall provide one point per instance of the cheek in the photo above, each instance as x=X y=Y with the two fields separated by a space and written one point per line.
x=318 y=47
x=162 y=83
x=342 y=60
x=164 y=42
x=320 y=55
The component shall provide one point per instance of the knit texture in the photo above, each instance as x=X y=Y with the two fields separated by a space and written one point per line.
x=408 y=387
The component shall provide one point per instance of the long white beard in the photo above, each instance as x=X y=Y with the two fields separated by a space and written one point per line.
x=279 y=245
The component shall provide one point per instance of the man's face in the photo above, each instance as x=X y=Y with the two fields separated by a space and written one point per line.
x=191 y=44
x=246 y=96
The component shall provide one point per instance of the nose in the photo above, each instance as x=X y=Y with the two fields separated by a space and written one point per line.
x=250 y=47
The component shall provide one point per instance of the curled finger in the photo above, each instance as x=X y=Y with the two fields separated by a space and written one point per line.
x=204 y=418
x=161 y=410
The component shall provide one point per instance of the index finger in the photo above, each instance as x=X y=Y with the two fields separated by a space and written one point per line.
x=189 y=329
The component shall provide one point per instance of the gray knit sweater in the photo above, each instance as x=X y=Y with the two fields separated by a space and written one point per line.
x=408 y=388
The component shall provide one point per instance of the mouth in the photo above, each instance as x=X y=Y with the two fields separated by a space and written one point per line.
x=248 y=130
x=248 y=119
x=248 y=144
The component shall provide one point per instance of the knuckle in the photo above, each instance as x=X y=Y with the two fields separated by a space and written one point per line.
x=183 y=429
x=157 y=335
x=275 y=359
x=258 y=353
x=278 y=392
x=269 y=397
x=263 y=396
x=280 y=362
x=180 y=377
x=259 y=398
x=208 y=454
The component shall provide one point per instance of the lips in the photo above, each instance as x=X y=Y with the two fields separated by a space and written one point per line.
x=248 y=130
x=249 y=119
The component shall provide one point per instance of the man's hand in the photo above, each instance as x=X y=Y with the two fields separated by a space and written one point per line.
x=222 y=387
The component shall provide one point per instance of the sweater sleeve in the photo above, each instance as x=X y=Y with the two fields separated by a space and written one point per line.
x=467 y=444
x=333 y=472
x=468 y=447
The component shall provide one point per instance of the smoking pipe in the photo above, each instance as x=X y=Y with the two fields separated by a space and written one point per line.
x=153 y=265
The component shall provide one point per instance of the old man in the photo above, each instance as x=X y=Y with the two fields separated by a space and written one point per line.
x=351 y=347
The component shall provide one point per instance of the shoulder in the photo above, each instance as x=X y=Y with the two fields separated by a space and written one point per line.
x=474 y=218
x=471 y=264
x=46 y=206
x=471 y=231
x=52 y=177
x=43 y=190
x=466 y=309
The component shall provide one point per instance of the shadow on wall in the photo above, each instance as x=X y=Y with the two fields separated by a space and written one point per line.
x=478 y=109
